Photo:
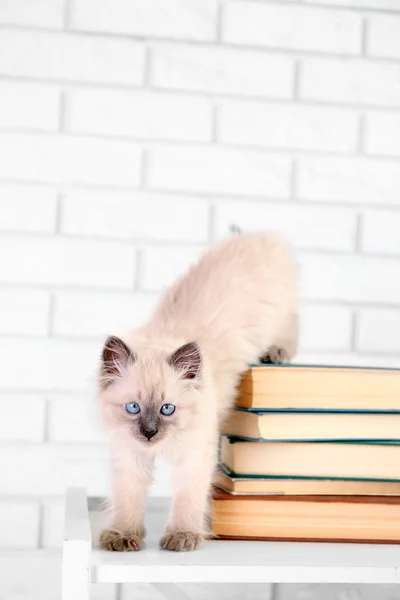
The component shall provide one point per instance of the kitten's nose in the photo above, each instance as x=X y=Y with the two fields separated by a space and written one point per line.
x=148 y=433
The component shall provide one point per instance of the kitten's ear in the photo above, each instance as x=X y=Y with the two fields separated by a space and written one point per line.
x=114 y=358
x=187 y=359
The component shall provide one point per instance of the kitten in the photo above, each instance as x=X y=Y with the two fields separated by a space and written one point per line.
x=166 y=388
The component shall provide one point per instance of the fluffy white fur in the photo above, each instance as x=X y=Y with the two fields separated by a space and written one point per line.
x=237 y=304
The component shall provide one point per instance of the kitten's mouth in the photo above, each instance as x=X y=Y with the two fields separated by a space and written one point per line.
x=147 y=441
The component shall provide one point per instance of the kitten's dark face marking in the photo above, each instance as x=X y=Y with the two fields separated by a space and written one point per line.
x=150 y=425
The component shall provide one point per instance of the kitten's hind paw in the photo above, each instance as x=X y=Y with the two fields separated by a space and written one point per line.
x=117 y=541
x=181 y=541
x=275 y=355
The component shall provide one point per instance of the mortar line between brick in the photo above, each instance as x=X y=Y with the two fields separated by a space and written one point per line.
x=67 y=14
x=46 y=423
x=141 y=37
x=358 y=234
x=211 y=223
x=364 y=37
x=137 y=269
x=198 y=93
x=328 y=7
x=82 y=237
x=308 y=301
x=214 y=123
x=218 y=23
x=362 y=134
x=297 y=68
x=143 y=168
x=50 y=316
x=317 y=202
x=196 y=144
x=62 y=117
x=294 y=180
x=148 y=57
x=40 y=525
x=58 y=216
x=353 y=333
x=303 y=250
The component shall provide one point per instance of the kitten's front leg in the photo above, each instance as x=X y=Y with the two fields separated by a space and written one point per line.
x=131 y=479
x=192 y=482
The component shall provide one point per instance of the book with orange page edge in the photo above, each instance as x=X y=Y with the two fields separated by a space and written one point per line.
x=356 y=519
x=319 y=388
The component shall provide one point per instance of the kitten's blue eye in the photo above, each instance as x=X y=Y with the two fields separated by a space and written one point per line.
x=132 y=407
x=167 y=409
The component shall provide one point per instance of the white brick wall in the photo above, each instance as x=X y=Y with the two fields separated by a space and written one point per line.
x=132 y=134
x=351 y=180
x=28 y=107
x=288 y=126
x=217 y=170
x=383 y=37
x=161 y=266
x=52 y=364
x=219 y=70
x=27 y=209
x=96 y=315
x=193 y=19
x=65 y=261
x=70 y=57
x=382 y=220
x=44 y=13
x=24 y=312
x=135 y=215
x=313 y=227
x=69 y=160
x=356 y=82
x=14 y=428
x=382 y=133
x=291 y=27
x=139 y=114
x=19 y=525
x=347 y=278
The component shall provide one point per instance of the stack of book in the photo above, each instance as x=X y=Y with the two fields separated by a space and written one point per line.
x=311 y=453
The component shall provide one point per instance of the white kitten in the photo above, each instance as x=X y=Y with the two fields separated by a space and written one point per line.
x=166 y=388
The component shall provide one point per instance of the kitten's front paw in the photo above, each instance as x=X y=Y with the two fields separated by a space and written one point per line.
x=117 y=541
x=181 y=541
x=275 y=355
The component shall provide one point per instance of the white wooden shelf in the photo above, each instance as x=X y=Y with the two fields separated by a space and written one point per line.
x=216 y=561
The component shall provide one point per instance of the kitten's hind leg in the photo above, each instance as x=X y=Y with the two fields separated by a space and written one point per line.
x=285 y=345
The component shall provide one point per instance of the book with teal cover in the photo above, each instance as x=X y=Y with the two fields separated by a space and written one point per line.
x=333 y=440
x=238 y=440
x=325 y=411
x=322 y=366
x=233 y=439
x=322 y=425
x=234 y=475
